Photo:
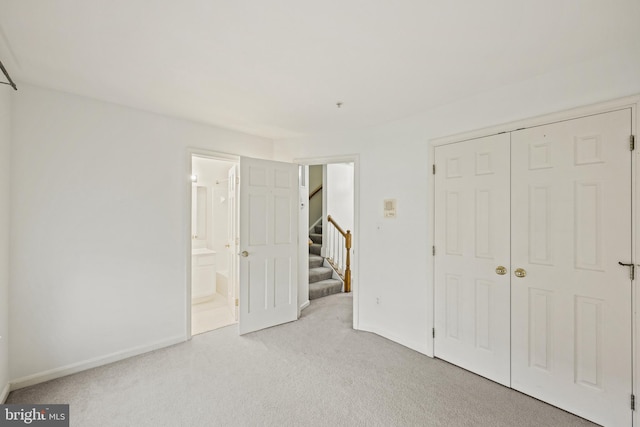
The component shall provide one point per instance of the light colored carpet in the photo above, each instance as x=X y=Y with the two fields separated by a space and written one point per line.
x=314 y=372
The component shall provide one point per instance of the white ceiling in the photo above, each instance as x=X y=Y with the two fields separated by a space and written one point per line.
x=277 y=68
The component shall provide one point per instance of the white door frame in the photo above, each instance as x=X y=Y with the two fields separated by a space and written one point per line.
x=207 y=154
x=632 y=102
x=303 y=238
x=355 y=159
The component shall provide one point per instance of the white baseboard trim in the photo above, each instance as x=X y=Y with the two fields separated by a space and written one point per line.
x=73 y=368
x=5 y=393
x=413 y=345
x=305 y=305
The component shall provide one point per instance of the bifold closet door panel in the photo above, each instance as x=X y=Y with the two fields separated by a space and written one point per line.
x=472 y=240
x=570 y=226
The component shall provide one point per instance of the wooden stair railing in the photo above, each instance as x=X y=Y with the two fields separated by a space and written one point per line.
x=316 y=191
x=339 y=252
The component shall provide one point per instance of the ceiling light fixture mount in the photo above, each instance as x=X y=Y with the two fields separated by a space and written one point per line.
x=339 y=104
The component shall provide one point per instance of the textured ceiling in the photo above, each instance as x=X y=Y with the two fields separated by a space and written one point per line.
x=277 y=68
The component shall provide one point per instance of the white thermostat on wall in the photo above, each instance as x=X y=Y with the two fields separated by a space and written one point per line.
x=390 y=208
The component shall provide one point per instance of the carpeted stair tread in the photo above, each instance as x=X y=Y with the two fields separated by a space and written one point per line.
x=316 y=238
x=315 y=248
x=321 y=281
x=318 y=274
x=315 y=261
x=324 y=288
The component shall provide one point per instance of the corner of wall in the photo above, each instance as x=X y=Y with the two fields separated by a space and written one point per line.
x=5 y=166
x=423 y=347
x=4 y=394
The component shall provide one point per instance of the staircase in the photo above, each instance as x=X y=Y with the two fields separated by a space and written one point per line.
x=321 y=282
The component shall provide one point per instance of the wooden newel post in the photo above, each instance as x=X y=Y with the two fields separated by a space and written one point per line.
x=347 y=270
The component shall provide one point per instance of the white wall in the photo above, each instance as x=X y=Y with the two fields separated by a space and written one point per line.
x=210 y=171
x=5 y=135
x=100 y=229
x=315 y=204
x=395 y=255
x=340 y=194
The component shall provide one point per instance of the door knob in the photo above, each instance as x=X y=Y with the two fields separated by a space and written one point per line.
x=245 y=254
x=501 y=270
x=520 y=272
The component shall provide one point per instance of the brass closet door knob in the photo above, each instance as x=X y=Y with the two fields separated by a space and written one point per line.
x=520 y=272
x=500 y=270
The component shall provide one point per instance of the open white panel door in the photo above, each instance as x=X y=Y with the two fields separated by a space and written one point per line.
x=268 y=243
x=233 y=241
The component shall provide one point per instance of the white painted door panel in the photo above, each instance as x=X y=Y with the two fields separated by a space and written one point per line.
x=269 y=236
x=571 y=224
x=472 y=301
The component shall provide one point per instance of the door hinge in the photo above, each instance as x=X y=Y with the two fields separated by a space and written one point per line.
x=236 y=302
x=434 y=169
x=633 y=402
x=632 y=142
x=433 y=250
x=433 y=332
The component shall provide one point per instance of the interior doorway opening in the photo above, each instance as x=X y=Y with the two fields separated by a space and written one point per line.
x=332 y=193
x=214 y=232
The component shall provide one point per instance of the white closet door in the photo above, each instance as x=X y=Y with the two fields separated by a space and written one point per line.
x=571 y=224
x=472 y=301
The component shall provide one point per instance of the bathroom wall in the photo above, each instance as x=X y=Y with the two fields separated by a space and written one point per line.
x=220 y=232
x=213 y=175
x=221 y=215
x=99 y=229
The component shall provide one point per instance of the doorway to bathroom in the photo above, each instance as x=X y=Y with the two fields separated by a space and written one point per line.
x=214 y=238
